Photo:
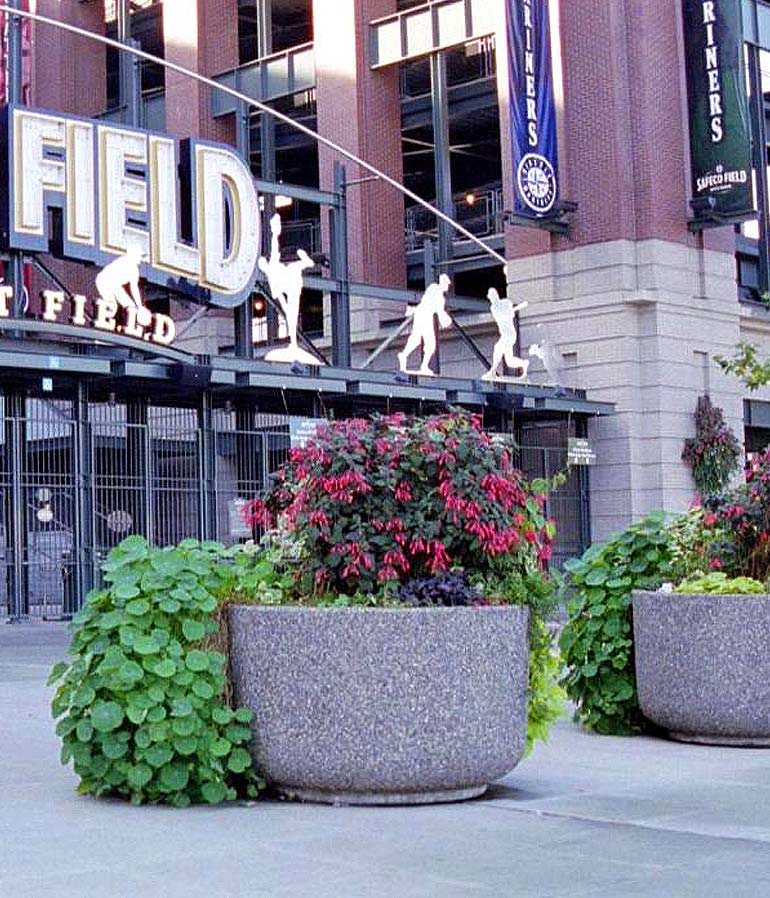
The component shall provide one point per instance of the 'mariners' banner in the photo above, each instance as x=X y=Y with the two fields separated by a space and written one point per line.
x=533 y=110
x=720 y=141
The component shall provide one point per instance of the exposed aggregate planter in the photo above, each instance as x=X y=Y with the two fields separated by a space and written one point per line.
x=703 y=666
x=383 y=706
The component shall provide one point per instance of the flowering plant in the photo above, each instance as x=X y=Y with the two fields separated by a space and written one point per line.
x=714 y=453
x=383 y=501
x=740 y=522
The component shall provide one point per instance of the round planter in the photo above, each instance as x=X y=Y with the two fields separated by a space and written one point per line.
x=383 y=706
x=703 y=666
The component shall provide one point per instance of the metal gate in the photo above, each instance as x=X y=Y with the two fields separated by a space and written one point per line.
x=76 y=478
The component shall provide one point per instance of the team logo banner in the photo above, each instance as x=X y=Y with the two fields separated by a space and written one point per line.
x=720 y=141
x=533 y=110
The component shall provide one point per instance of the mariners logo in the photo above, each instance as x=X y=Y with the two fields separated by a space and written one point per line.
x=537 y=183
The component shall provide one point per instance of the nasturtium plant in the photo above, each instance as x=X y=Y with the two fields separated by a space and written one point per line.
x=597 y=642
x=139 y=704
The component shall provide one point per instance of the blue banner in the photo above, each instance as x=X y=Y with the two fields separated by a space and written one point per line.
x=534 y=138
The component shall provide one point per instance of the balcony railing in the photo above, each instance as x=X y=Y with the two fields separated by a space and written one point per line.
x=279 y=75
x=420 y=30
x=153 y=112
x=480 y=212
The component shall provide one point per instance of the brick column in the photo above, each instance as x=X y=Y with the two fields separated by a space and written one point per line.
x=361 y=110
x=204 y=39
x=69 y=72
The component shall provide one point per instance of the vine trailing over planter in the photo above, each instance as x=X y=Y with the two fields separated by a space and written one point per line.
x=597 y=641
x=139 y=704
x=714 y=453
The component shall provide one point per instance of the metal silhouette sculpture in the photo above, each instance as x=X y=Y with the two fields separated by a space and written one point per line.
x=504 y=315
x=286 y=282
x=112 y=280
x=431 y=306
x=551 y=359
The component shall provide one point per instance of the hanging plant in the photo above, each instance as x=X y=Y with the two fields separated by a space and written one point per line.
x=714 y=453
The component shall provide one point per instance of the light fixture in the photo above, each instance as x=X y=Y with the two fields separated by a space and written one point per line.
x=470 y=198
x=283 y=202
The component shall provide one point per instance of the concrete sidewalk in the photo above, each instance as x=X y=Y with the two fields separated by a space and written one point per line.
x=585 y=816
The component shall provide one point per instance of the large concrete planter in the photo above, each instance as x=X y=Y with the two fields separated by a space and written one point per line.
x=383 y=706
x=703 y=666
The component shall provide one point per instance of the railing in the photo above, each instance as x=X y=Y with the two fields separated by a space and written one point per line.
x=482 y=217
x=279 y=75
x=424 y=29
x=153 y=112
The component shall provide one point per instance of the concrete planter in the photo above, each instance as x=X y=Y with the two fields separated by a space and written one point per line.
x=703 y=666
x=383 y=706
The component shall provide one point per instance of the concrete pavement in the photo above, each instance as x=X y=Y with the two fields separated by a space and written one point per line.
x=585 y=816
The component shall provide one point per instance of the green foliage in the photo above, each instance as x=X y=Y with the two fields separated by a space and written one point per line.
x=718 y=583
x=547 y=699
x=745 y=365
x=508 y=584
x=714 y=453
x=138 y=706
x=597 y=641
x=690 y=542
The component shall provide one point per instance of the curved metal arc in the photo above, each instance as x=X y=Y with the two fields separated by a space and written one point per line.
x=256 y=104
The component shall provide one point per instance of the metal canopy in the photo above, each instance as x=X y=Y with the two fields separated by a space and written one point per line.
x=242 y=377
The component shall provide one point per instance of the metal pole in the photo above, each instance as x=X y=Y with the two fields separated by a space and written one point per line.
x=341 y=337
x=129 y=70
x=15 y=439
x=441 y=154
x=759 y=153
x=84 y=510
x=207 y=498
x=274 y=113
x=15 y=269
x=244 y=314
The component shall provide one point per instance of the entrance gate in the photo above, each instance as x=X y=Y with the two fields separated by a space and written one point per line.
x=76 y=478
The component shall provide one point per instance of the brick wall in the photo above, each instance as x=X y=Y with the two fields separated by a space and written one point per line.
x=360 y=109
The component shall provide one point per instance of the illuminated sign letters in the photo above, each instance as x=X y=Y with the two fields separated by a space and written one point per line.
x=191 y=211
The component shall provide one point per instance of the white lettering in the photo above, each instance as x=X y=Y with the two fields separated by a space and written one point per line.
x=6 y=296
x=228 y=220
x=53 y=303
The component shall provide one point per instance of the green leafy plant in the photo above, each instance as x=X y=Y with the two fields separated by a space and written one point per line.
x=718 y=583
x=746 y=366
x=139 y=704
x=690 y=542
x=597 y=641
x=714 y=453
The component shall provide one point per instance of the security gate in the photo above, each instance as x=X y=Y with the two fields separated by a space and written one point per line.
x=76 y=478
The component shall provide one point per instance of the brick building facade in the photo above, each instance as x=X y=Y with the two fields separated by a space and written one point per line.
x=635 y=303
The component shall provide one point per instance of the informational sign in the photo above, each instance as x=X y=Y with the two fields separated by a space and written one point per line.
x=720 y=137
x=303 y=429
x=189 y=212
x=533 y=109
x=236 y=515
x=580 y=452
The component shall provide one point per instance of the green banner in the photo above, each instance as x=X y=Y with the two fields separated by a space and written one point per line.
x=720 y=138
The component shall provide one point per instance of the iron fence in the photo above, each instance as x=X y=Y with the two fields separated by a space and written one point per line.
x=76 y=478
